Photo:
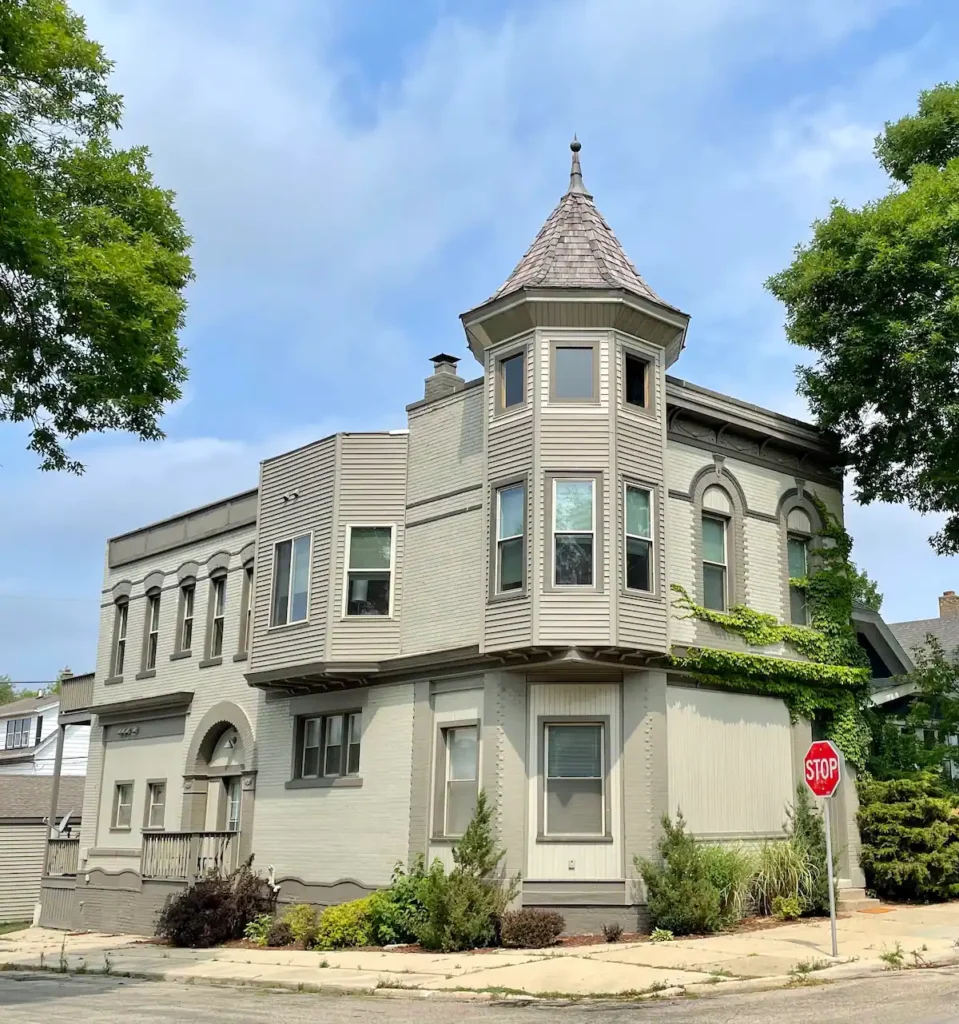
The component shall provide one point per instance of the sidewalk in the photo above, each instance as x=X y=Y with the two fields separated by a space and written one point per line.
x=759 y=959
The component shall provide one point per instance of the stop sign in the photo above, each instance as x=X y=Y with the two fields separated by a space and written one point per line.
x=822 y=768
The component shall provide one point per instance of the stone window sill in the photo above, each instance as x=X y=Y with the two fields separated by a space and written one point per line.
x=180 y=655
x=336 y=782
x=148 y=673
x=113 y=680
x=211 y=662
x=573 y=840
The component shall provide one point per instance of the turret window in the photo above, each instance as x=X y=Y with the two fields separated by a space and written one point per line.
x=574 y=533
x=635 y=381
x=639 y=542
x=511 y=382
x=574 y=373
x=510 y=538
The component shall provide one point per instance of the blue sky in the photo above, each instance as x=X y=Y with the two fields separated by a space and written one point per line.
x=355 y=175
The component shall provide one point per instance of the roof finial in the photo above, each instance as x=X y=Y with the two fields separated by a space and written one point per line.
x=576 y=172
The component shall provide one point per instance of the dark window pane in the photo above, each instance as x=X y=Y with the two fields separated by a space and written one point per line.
x=636 y=381
x=573 y=373
x=511 y=564
x=637 y=564
x=714 y=587
x=369 y=593
x=574 y=807
x=311 y=762
x=353 y=765
x=796 y=547
x=574 y=560
x=714 y=539
x=514 y=387
x=574 y=751
x=370 y=547
x=512 y=511
x=637 y=512
x=797 y=606
x=281 y=583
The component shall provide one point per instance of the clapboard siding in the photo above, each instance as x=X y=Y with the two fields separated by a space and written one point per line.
x=21 y=864
x=371 y=490
x=310 y=472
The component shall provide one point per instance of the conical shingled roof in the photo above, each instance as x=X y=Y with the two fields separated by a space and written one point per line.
x=576 y=248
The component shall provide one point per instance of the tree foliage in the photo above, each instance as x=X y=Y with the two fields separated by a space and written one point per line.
x=875 y=296
x=93 y=255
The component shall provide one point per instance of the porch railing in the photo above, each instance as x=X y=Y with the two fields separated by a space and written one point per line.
x=185 y=856
x=63 y=856
x=76 y=694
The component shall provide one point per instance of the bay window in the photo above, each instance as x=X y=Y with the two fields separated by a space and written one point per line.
x=639 y=538
x=510 y=538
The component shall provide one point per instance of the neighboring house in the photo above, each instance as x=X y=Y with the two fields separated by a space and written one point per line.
x=324 y=671
x=25 y=802
x=28 y=738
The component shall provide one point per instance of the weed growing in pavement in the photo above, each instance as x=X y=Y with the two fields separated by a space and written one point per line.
x=63 y=956
x=808 y=966
x=894 y=959
x=918 y=960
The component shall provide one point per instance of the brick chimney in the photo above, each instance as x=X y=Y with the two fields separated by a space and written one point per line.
x=444 y=380
x=949 y=605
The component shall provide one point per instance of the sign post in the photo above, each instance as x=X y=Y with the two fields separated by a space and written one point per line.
x=823 y=772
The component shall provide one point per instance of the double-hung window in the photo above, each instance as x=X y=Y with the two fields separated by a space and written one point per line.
x=369 y=573
x=246 y=611
x=122 y=805
x=635 y=381
x=330 y=746
x=460 y=749
x=510 y=538
x=291 y=580
x=218 y=611
x=574 y=533
x=18 y=733
x=639 y=538
x=153 y=631
x=714 y=563
x=797 y=549
x=574 y=798
x=187 y=595
x=120 y=632
x=156 y=804
x=511 y=382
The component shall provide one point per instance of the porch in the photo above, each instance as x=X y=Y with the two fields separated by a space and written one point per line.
x=187 y=856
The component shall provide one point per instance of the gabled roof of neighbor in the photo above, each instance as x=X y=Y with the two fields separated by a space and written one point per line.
x=27 y=797
x=913 y=634
x=576 y=248
x=28 y=705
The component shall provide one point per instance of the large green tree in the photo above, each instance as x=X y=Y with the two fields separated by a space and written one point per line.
x=93 y=255
x=875 y=295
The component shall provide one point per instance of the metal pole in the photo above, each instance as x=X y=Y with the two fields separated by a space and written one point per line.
x=832 y=889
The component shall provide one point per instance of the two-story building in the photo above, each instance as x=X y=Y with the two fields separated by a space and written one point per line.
x=326 y=670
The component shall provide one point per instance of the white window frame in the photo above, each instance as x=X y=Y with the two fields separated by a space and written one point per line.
x=627 y=485
x=118 y=805
x=246 y=621
x=309 y=581
x=602 y=776
x=519 y=485
x=724 y=565
x=218 y=614
x=153 y=631
x=573 y=533
x=233 y=804
x=345 y=603
x=446 y=732
x=17 y=734
x=153 y=804
x=120 y=644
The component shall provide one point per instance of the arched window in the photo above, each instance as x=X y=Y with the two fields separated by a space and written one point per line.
x=716 y=515
x=798 y=537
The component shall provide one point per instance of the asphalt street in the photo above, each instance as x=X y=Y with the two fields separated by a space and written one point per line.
x=911 y=997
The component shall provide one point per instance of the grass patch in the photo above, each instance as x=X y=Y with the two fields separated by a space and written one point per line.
x=6 y=927
x=805 y=967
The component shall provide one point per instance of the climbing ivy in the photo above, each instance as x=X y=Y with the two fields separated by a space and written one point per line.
x=832 y=681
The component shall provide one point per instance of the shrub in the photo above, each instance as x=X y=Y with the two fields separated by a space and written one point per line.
x=302 y=920
x=807 y=830
x=661 y=935
x=613 y=932
x=680 y=895
x=910 y=839
x=280 y=934
x=398 y=913
x=782 y=872
x=531 y=928
x=258 y=929
x=787 y=908
x=347 y=924
x=463 y=908
x=730 y=869
x=214 y=910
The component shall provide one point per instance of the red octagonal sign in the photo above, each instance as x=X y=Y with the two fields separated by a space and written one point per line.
x=822 y=768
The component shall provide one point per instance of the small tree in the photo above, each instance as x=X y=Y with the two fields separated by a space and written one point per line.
x=807 y=830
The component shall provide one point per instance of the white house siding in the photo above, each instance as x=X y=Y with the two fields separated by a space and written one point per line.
x=576 y=861
x=730 y=762
x=21 y=864
x=163 y=757
x=76 y=742
x=322 y=836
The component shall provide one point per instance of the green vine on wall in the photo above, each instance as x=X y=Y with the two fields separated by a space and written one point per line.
x=831 y=683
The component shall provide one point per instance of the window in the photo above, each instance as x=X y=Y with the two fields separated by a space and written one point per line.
x=120 y=648
x=156 y=804
x=39 y=733
x=574 y=798
x=291 y=580
x=187 y=594
x=574 y=529
x=511 y=386
x=639 y=543
x=574 y=373
x=635 y=381
x=122 y=805
x=232 y=804
x=18 y=733
x=218 y=609
x=369 y=576
x=797 y=549
x=246 y=610
x=510 y=538
x=714 y=563
x=461 y=748
x=331 y=746
x=153 y=631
